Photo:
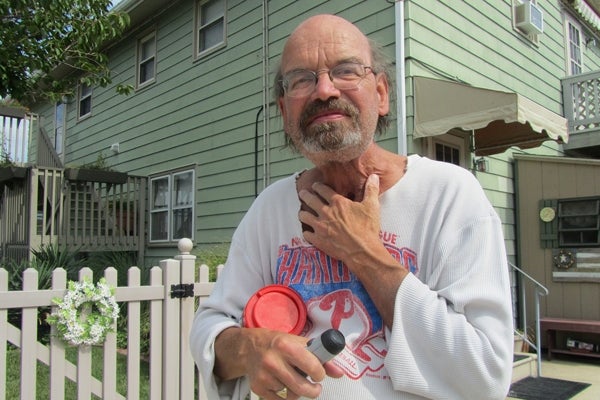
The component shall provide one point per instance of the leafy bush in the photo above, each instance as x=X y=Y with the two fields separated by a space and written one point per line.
x=45 y=261
x=213 y=257
x=119 y=260
x=122 y=261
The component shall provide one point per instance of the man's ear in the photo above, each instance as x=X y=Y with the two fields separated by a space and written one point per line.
x=281 y=105
x=383 y=94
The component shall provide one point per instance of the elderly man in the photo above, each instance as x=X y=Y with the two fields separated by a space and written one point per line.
x=404 y=255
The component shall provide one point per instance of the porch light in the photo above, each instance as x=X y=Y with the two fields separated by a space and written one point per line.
x=480 y=164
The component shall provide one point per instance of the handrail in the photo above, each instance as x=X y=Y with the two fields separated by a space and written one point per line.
x=540 y=290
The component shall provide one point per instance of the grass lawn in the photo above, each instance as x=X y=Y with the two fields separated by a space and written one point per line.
x=13 y=378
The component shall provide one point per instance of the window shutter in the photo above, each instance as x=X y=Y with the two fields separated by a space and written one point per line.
x=549 y=230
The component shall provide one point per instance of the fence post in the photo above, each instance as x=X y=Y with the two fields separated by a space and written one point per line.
x=188 y=263
x=171 y=334
x=57 y=348
x=109 y=381
x=29 y=318
x=3 y=334
x=84 y=355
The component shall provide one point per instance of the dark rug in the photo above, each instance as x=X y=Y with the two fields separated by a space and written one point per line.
x=541 y=388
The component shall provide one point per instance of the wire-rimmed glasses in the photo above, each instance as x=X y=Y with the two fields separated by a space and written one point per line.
x=344 y=76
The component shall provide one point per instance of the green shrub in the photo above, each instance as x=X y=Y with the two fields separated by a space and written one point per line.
x=119 y=260
x=45 y=260
x=212 y=256
x=122 y=261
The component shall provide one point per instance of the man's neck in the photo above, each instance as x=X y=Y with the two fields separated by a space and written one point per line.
x=348 y=178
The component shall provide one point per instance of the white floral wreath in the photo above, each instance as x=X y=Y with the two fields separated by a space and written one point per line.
x=86 y=314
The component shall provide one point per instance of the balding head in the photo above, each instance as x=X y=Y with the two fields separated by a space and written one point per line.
x=321 y=33
x=309 y=41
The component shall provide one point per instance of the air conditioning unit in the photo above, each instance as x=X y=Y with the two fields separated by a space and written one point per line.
x=529 y=17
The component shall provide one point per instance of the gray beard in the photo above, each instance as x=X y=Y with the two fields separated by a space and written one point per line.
x=330 y=137
x=333 y=145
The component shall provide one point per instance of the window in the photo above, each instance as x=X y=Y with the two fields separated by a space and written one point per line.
x=574 y=40
x=210 y=25
x=146 y=59
x=59 y=127
x=447 y=153
x=448 y=148
x=579 y=222
x=85 y=101
x=172 y=206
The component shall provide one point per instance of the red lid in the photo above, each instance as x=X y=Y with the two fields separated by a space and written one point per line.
x=276 y=307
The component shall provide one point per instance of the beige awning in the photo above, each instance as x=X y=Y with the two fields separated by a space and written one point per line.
x=499 y=120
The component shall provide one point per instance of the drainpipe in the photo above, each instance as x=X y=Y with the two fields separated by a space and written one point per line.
x=265 y=93
x=400 y=77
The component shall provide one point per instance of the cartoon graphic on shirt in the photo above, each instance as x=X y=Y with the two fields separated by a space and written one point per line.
x=335 y=298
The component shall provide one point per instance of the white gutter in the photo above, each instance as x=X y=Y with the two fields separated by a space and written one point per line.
x=400 y=77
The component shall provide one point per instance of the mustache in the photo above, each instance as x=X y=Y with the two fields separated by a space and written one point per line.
x=319 y=106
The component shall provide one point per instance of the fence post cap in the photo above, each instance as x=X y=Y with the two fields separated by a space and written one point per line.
x=185 y=245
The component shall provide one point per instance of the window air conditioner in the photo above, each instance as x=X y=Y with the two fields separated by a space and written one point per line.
x=529 y=17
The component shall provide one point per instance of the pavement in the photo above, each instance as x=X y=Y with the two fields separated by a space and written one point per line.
x=577 y=369
x=571 y=368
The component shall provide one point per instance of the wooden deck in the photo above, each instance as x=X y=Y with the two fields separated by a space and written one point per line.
x=45 y=207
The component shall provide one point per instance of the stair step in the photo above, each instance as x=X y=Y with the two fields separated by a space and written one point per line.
x=525 y=365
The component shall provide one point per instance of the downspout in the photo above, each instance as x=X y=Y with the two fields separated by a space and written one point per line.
x=256 y=151
x=265 y=92
x=400 y=78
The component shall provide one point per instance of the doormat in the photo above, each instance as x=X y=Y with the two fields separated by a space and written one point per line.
x=541 y=388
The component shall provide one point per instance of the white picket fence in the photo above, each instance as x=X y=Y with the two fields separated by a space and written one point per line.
x=171 y=368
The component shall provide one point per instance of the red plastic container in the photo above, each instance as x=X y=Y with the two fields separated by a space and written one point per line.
x=276 y=307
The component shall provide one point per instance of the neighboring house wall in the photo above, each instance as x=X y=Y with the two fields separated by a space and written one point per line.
x=204 y=113
x=541 y=181
x=475 y=42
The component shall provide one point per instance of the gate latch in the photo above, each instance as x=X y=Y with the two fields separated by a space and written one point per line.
x=182 y=290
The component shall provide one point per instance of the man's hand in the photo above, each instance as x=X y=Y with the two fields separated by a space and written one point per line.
x=271 y=361
x=349 y=231
x=341 y=227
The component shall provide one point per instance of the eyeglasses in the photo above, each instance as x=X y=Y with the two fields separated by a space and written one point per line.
x=344 y=76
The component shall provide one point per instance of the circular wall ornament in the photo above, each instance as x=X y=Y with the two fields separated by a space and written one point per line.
x=86 y=314
x=547 y=214
x=564 y=259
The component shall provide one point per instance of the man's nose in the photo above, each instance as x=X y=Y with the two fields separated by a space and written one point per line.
x=324 y=87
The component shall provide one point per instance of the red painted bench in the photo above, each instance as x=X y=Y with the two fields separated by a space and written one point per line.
x=553 y=325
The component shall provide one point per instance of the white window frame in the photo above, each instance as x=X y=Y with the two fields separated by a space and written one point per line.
x=148 y=59
x=170 y=206
x=449 y=140
x=569 y=56
x=84 y=95
x=200 y=27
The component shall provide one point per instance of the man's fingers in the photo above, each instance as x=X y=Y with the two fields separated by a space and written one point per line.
x=371 y=189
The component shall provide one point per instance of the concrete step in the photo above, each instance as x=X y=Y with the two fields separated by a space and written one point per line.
x=524 y=365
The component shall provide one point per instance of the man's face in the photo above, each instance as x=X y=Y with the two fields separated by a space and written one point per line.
x=328 y=124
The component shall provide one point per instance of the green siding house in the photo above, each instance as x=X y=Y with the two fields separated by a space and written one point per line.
x=476 y=81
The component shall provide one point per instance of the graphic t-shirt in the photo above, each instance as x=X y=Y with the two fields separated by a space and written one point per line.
x=452 y=330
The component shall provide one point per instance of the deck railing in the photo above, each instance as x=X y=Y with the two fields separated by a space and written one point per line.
x=47 y=208
x=581 y=96
x=581 y=99
x=16 y=128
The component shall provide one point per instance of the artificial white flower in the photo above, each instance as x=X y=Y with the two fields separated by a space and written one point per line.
x=86 y=313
